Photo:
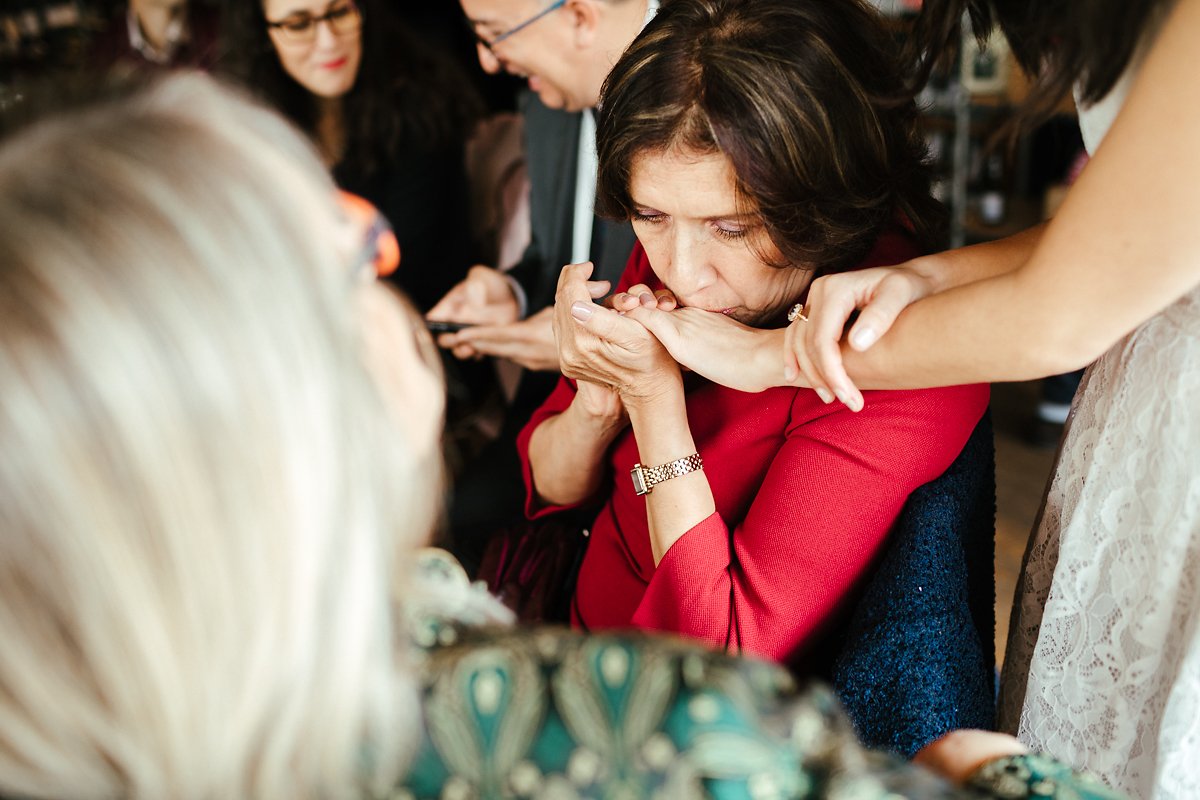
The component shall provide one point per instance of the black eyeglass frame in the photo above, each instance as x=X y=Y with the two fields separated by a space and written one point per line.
x=309 y=33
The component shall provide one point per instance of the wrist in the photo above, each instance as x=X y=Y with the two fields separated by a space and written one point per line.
x=600 y=416
x=517 y=297
x=666 y=392
x=766 y=360
x=934 y=271
x=661 y=428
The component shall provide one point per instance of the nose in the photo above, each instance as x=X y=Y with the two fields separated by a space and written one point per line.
x=487 y=59
x=690 y=270
x=325 y=37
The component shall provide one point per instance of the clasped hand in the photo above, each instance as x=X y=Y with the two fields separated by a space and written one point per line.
x=808 y=353
x=617 y=362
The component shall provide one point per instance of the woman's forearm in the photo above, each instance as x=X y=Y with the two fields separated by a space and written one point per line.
x=663 y=434
x=1122 y=248
x=753 y=359
x=981 y=332
x=1056 y=313
x=982 y=270
x=953 y=268
x=567 y=451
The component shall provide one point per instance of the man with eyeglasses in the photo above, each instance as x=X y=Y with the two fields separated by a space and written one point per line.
x=564 y=49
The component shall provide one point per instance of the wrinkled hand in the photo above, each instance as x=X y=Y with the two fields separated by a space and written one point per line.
x=710 y=344
x=529 y=342
x=600 y=346
x=601 y=402
x=813 y=347
x=958 y=754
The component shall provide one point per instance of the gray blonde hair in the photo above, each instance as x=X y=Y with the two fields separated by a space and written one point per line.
x=202 y=499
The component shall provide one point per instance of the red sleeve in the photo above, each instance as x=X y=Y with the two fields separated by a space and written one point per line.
x=637 y=270
x=555 y=404
x=827 y=502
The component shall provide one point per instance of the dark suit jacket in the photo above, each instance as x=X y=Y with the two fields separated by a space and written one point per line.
x=551 y=152
x=488 y=495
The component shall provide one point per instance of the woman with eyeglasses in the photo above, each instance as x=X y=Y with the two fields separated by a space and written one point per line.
x=390 y=117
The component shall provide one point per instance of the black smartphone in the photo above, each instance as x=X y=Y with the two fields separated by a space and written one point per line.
x=439 y=326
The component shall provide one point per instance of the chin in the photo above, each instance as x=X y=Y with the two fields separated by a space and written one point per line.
x=555 y=101
x=332 y=89
x=552 y=98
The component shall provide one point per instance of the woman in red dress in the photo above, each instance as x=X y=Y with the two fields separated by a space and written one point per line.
x=746 y=142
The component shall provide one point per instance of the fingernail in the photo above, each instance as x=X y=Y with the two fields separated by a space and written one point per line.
x=862 y=338
x=790 y=373
x=582 y=311
x=849 y=402
x=825 y=396
x=647 y=299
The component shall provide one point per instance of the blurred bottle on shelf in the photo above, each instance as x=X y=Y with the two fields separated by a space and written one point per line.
x=993 y=201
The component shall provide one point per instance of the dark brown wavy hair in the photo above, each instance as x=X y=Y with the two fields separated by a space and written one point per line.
x=800 y=96
x=1057 y=42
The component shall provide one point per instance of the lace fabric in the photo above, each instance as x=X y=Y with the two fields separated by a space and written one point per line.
x=1103 y=660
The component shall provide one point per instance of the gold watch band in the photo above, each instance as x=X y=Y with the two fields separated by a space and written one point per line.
x=646 y=478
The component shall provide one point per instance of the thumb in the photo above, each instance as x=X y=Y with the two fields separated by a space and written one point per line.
x=877 y=317
x=580 y=272
x=476 y=292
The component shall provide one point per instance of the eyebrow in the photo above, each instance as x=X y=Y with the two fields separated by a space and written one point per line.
x=305 y=12
x=731 y=216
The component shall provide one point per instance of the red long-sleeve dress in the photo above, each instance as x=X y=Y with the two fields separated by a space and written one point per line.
x=805 y=497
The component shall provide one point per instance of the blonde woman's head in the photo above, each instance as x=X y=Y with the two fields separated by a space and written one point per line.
x=203 y=493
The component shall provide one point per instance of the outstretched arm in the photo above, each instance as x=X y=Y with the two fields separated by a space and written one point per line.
x=752 y=359
x=1123 y=247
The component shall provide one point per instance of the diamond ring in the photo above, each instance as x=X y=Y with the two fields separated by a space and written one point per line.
x=797 y=313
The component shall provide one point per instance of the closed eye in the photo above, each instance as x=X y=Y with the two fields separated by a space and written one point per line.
x=297 y=24
x=728 y=230
x=649 y=216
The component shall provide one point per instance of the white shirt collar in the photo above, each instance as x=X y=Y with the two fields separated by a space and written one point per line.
x=585 y=175
x=176 y=35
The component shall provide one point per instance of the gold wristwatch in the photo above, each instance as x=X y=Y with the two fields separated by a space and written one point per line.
x=646 y=478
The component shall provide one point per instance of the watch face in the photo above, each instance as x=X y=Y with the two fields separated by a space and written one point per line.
x=639 y=480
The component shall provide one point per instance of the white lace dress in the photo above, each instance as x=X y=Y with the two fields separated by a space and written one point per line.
x=1103 y=659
